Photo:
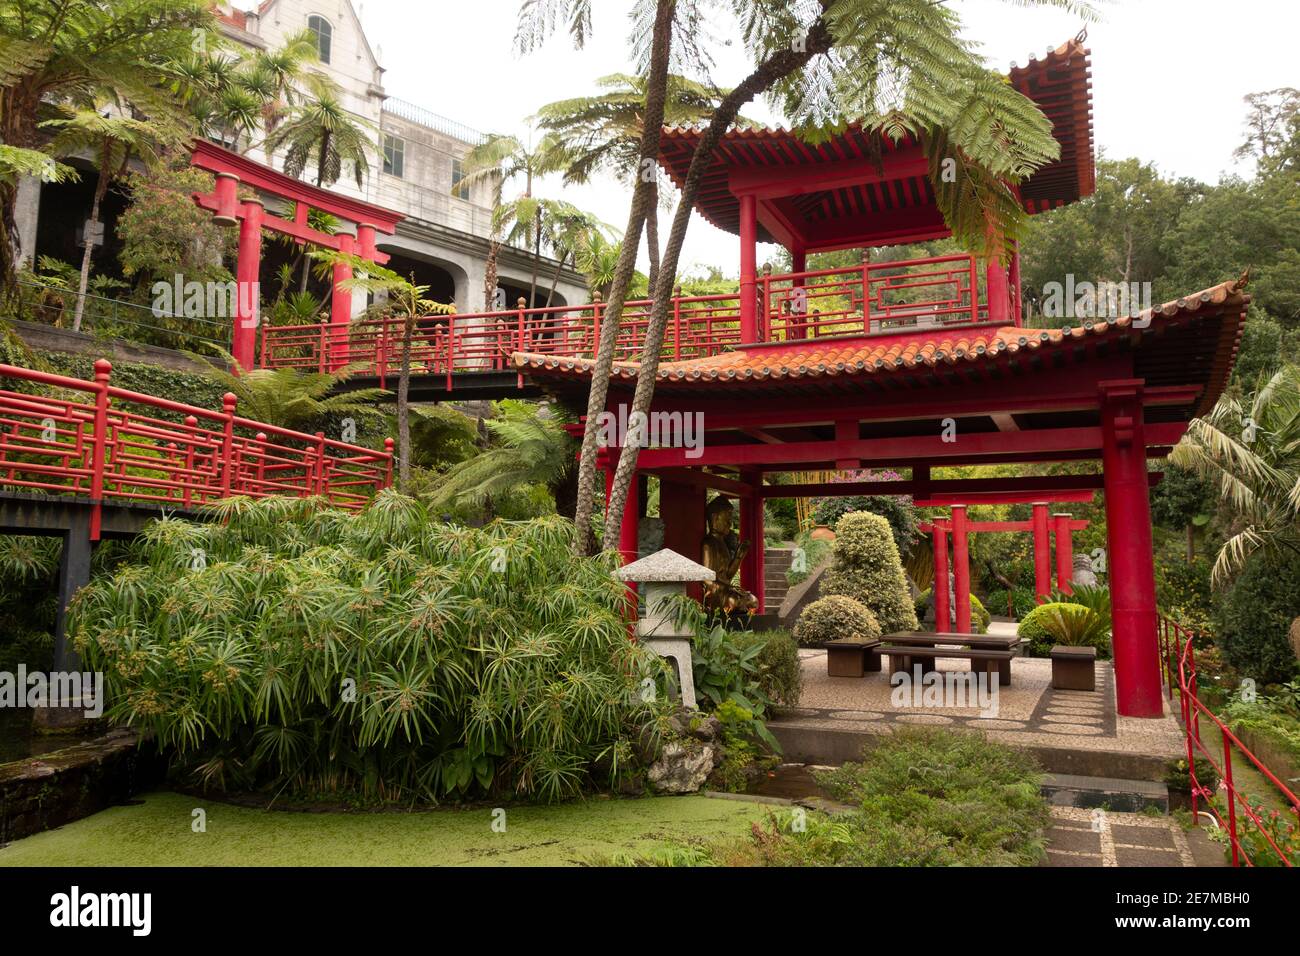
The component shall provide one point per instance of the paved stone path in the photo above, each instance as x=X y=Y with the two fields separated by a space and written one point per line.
x=1104 y=838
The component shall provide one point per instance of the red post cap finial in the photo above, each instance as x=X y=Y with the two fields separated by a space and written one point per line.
x=103 y=369
x=191 y=420
x=388 y=445
x=230 y=400
x=523 y=303
x=261 y=436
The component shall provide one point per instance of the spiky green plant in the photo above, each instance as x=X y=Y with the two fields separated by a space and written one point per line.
x=1251 y=448
x=381 y=653
x=290 y=397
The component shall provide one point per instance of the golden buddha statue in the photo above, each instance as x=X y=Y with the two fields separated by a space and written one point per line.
x=722 y=553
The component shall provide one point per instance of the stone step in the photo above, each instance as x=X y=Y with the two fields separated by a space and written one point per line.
x=1112 y=793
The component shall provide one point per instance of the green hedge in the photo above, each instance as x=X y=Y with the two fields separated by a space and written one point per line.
x=1254 y=617
x=833 y=617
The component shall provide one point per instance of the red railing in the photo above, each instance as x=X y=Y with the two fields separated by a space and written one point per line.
x=114 y=445
x=870 y=299
x=1178 y=659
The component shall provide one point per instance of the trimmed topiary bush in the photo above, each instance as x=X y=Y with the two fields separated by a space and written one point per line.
x=834 y=617
x=897 y=510
x=979 y=617
x=867 y=568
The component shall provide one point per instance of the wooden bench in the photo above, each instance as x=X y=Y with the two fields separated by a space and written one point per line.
x=991 y=661
x=851 y=657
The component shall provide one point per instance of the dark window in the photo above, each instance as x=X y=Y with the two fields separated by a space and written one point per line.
x=458 y=177
x=321 y=32
x=394 y=155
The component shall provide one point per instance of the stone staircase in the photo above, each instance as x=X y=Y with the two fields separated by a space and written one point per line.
x=776 y=562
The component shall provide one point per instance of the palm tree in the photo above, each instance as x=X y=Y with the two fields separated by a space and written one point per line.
x=561 y=226
x=290 y=397
x=1251 y=449
x=533 y=448
x=597 y=258
x=61 y=51
x=666 y=21
x=497 y=160
x=854 y=62
x=320 y=130
x=603 y=133
x=114 y=141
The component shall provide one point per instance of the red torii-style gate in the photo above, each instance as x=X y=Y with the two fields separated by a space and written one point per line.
x=231 y=170
x=959 y=527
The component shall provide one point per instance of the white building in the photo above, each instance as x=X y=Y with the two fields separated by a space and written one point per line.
x=444 y=239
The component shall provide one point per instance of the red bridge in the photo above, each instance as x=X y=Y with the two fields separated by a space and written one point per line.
x=110 y=445
x=460 y=352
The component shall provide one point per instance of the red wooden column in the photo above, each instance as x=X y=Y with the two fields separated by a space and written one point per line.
x=1064 y=553
x=244 y=339
x=751 y=530
x=631 y=517
x=998 y=291
x=681 y=506
x=341 y=307
x=748 y=269
x=961 y=568
x=1042 y=553
x=1017 y=293
x=1128 y=538
x=942 y=612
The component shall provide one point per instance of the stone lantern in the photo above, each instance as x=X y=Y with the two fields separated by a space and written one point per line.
x=662 y=576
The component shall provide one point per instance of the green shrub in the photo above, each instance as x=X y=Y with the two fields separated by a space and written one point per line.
x=1254 y=618
x=833 y=617
x=1178 y=778
x=1059 y=623
x=815 y=551
x=779 y=675
x=897 y=510
x=867 y=568
x=381 y=654
x=979 y=617
x=922 y=797
x=1022 y=602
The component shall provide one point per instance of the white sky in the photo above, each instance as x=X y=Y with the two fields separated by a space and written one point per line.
x=1168 y=75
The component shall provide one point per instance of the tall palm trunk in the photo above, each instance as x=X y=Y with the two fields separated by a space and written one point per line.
x=656 y=96
x=101 y=187
x=555 y=280
x=404 y=408
x=490 y=275
x=652 y=236
x=537 y=262
x=775 y=68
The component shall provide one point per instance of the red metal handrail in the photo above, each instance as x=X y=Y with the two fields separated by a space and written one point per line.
x=114 y=446
x=1178 y=659
x=870 y=299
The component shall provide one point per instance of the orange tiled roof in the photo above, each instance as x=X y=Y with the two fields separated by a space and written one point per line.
x=858 y=355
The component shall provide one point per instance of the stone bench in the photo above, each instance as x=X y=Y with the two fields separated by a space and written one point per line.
x=1074 y=668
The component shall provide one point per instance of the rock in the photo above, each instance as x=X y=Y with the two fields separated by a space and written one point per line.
x=706 y=728
x=682 y=767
